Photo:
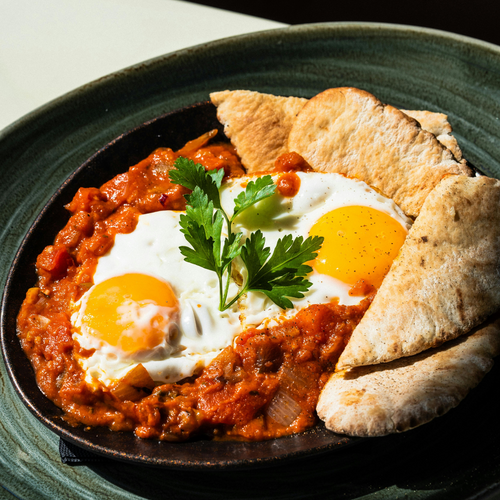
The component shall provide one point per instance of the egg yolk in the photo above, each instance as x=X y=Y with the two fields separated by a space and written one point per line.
x=132 y=312
x=360 y=243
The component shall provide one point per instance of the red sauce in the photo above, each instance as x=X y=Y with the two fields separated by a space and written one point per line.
x=288 y=184
x=290 y=162
x=361 y=288
x=240 y=394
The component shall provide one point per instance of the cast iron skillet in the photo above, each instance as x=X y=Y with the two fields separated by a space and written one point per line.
x=171 y=130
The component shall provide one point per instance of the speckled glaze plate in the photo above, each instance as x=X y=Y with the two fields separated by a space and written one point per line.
x=456 y=456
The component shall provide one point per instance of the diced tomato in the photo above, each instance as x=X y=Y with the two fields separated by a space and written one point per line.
x=55 y=260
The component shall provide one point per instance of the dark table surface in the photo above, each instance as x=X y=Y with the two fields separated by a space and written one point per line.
x=477 y=19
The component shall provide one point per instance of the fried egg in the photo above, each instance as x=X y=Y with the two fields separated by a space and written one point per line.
x=149 y=306
x=363 y=232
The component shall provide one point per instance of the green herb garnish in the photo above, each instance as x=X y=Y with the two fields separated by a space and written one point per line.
x=278 y=275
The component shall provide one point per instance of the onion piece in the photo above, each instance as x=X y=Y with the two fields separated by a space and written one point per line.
x=292 y=378
x=134 y=385
x=198 y=142
x=42 y=321
x=283 y=408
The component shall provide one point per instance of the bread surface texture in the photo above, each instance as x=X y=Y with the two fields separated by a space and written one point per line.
x=257 y=124
x=350 y=131
x=438 y=125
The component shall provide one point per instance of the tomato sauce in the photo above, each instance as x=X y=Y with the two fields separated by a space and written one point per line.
x=265 y=385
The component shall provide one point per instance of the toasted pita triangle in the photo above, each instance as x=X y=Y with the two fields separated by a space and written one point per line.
x=397 y=396
x=257 y=125
x=349 y=131
x=445 y=281
x=438 y=125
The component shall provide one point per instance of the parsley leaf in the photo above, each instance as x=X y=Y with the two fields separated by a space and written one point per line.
x=201 y=253
x=260 y=189
x=191 y=175
x=281 y=274
x=278 y=275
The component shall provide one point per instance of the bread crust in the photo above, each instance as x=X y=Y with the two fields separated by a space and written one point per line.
x=257 y=125
x=438 y=125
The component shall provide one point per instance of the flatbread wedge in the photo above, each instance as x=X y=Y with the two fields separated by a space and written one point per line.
x=438 y=125
x=257 y=124
x=350 y=131
x=398 y=396
x=445 y=280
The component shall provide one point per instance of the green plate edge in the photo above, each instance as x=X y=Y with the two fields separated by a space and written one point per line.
x=409 y=67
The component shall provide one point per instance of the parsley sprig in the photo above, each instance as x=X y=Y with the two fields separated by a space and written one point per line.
x=278 y=275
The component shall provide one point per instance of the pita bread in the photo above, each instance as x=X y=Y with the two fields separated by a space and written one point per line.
x=445 y=280
x=408 y=392
x=257 y=125
x=351 y=132
x=438 y=125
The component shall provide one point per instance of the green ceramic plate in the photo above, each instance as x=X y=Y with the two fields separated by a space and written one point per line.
x=456 y=456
